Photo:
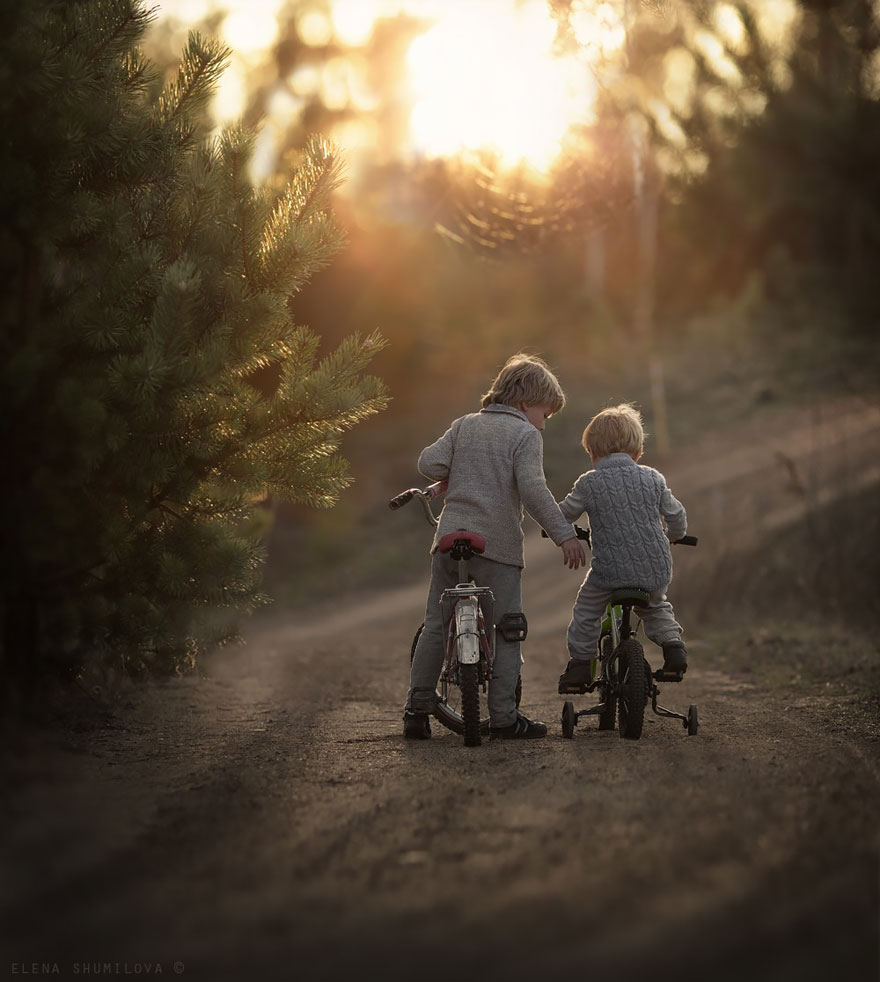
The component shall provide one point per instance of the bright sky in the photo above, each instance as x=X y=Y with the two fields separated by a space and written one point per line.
x=482 y=75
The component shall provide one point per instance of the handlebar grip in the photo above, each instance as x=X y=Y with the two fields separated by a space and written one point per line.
x=400 y=499
x=686 y=540
x=581 y=533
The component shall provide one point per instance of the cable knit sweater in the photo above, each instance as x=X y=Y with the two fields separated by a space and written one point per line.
x=624 y=502
x=494 y=462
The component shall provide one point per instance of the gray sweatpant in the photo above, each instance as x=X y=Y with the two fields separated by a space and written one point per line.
x=586 y=619
x=505 y=583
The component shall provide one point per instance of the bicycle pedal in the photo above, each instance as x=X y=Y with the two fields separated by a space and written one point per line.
x=662 y=676
x=573 y=690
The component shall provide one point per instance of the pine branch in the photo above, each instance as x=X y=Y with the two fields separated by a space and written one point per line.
x=203 y=62
x=136 y=18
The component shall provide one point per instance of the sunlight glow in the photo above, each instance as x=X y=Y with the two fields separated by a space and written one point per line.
x=485 y=77
x=315 y=28
x=717 y=59
x=335 y=83
x=729 y=25
x=484 y=74
x=667 y=123
x=679 y=80
x=250 y=25
x=230 y=95
x=353 y=21
x=190 y=10
x=597 y=28
x=775 y=18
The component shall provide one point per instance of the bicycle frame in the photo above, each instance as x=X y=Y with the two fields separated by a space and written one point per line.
x=616 y=622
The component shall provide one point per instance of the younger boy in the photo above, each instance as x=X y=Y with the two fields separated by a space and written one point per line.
x=626 y=504
x=493 y=462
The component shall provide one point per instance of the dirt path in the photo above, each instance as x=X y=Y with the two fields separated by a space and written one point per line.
x=270 y=823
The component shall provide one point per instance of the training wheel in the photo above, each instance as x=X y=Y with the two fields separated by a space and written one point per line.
x=693 y=722
x=569 y=720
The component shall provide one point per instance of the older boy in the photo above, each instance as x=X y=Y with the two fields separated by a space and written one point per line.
x=627 y=505
x=493 y=462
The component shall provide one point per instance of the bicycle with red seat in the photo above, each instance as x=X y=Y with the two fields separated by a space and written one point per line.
x=467 y=612
x=620 y=671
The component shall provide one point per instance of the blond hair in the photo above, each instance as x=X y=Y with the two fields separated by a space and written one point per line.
x=526 y=380
x=617 y=429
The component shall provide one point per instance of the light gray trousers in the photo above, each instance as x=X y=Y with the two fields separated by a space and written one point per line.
x=505 y=582
x=586 y=619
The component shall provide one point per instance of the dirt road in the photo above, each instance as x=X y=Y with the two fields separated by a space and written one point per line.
x=270 y=823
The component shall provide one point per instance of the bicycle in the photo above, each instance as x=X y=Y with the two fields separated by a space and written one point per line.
x=625 y=680
x=467 y=612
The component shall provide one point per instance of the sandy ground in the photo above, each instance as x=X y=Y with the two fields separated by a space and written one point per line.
x=269 y=822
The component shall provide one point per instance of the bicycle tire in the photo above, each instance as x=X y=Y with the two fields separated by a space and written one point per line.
x=609 y=687
x=470 y=704
x=631 y=689
x=445 y=713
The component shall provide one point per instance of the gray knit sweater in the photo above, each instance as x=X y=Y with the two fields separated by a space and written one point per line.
x=624 y=502
x=494 y=463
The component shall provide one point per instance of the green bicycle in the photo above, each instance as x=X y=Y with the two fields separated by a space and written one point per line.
x=620 y=671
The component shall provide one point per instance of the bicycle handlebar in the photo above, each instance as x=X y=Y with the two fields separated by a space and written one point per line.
x=399 y=500
x=582 y=533
x=424 y=495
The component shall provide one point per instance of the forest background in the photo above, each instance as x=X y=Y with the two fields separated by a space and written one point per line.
x=673 y=203
x=703 y=243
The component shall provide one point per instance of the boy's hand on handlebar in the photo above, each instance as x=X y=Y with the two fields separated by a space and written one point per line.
x=573 y=554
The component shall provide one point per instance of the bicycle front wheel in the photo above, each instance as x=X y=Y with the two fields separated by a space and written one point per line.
x=631 y=689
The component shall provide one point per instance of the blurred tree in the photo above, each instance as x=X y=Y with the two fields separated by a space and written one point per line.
x=793 y=186
x=154 y=385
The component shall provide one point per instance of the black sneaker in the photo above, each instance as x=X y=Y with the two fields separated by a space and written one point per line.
x=675 y=662
x=522 y=728
x=416 y=726
x=576 y=677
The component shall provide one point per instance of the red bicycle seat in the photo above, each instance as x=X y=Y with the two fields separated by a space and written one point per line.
x=473 y=539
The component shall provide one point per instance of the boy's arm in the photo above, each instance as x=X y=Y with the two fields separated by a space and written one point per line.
x=528 y=467
x=673 y=512
x=575 y=502
x=435 y=461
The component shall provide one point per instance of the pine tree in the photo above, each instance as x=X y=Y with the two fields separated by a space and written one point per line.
x=154 y=383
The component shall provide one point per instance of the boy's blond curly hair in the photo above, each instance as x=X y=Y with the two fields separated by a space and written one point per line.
x=617 y=429
x=526 y=380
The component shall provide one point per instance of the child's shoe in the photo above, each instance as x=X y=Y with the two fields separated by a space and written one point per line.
x=522 y=728
x=416 y=726
x=576 y=677
x=675 y=662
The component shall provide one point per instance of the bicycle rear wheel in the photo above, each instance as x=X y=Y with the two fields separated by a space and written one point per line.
x=448 y=710
x=631 y=690
x=470 y=704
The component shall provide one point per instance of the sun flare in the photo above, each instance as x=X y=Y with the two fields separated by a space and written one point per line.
x=486 y=77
